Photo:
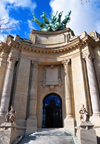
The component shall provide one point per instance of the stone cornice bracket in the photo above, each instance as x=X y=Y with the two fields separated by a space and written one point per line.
x=12 y=58
x=87 y=56
x=35 y=63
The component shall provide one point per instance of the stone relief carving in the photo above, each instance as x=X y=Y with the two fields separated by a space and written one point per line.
x=84 y=115
x=10 y=116
x=51 y=76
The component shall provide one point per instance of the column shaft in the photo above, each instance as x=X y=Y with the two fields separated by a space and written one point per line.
x=92 y=84
x=7 y=85
x=33 y=90
x=68 y=96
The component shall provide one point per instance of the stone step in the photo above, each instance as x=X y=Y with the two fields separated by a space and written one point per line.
x=49 y=136
x=48 y=140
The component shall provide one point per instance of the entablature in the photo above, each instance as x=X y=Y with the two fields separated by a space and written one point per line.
x=72 y=43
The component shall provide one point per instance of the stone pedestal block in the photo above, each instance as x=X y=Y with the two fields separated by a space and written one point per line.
x=86 y=133
x=2 y=119
x=31 y=126
x=8 y=133
x=69 y=125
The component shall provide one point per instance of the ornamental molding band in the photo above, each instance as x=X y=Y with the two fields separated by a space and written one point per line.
x=54 y=23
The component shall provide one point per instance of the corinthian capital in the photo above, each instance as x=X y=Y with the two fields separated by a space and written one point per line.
x=35 y=63
x=12 y=58
x=87 y=56
x=66 y=62
x=66 y=66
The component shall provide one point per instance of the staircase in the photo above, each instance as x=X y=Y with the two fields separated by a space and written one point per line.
x=50 y=136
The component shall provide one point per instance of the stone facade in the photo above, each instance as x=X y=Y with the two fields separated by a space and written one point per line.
x=50 y=62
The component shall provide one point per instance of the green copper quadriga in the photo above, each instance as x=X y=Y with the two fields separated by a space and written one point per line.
x=44 y=18
x=54 y=23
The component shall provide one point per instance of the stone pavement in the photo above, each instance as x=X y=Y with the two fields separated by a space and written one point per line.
x=49 y=136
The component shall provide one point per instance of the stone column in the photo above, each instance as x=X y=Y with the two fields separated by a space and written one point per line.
x=68 y=96
x=92 y=84
x=33 y=90
x=3 y=65
x=69 y=120
x=32 y=120
x=7 y=85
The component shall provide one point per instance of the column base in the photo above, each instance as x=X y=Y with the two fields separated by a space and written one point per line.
x=21 y=123
x=31 y=126
x=69 y=125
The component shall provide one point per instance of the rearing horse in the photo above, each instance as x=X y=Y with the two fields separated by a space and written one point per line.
x=41 y=24
x=67 y=18
x=59 y=17
x=44 y=18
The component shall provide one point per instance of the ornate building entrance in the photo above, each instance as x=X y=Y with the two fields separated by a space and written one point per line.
x=52 y=111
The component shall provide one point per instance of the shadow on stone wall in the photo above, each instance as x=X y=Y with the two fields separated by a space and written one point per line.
x=98 y=140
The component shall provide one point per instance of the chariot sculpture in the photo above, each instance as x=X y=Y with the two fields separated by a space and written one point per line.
x=54 y=23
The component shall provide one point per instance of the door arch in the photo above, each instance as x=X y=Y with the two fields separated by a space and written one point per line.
x=52 y=111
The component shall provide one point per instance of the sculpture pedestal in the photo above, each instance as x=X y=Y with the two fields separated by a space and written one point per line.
x=86 y=133
x=8 y=132
x=69 y=125
x=31 y=126
x=2 y=119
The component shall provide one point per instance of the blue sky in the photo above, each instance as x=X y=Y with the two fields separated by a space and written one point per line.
x=84 y=17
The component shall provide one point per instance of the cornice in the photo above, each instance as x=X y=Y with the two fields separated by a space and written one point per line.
x=4 y=47
x=51 y=33
x=87 y=40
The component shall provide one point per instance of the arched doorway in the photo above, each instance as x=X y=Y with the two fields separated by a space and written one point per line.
x=52 y=111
